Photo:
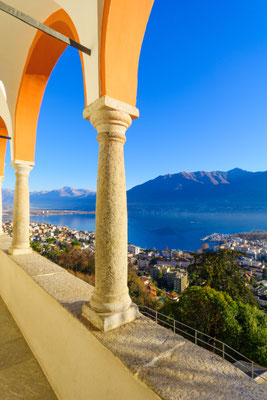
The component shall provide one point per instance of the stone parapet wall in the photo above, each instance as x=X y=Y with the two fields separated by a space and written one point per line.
x=139 y=361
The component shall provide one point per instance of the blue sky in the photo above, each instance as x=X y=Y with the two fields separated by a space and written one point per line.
x=202 y=95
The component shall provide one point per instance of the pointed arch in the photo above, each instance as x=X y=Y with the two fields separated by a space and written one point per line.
x=42 y=57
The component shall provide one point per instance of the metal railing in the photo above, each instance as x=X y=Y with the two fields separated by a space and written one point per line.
x=210 y=343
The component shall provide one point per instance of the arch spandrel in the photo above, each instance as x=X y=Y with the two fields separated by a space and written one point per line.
x=123 y=28
x=42 y=57
x=87 y=18
x=16 y=38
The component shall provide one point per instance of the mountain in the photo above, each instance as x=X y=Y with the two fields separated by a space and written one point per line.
x=217 y=191
x=7 y=198
x=202 y=191
x=65 y=198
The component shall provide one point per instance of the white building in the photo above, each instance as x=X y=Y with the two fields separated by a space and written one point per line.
x=133 y=249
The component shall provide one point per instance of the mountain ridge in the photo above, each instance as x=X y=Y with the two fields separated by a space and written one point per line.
x=62 y=198
x=199 y=191
x=203 y=191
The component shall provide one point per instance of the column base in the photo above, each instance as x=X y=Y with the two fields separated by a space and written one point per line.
x=17 y=252
x=108 y=321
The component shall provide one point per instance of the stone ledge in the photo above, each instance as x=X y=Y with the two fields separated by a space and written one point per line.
x=170 y=365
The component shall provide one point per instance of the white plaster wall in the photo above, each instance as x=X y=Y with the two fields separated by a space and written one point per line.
x=5 y=115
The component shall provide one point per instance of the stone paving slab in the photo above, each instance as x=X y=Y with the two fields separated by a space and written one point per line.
x=8 y=329
x=20 y=374
x=25 y=381
x=14 y=352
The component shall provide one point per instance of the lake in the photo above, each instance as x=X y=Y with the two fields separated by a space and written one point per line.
x=182 y=231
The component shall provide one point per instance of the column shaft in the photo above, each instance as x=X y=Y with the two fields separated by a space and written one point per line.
x=21 y=212
x=111 y=290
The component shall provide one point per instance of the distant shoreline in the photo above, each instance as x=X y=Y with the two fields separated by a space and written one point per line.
x=149 y=231
x=47 y=212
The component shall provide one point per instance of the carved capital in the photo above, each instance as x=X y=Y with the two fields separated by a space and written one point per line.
x=22 y=167
x=111 y=118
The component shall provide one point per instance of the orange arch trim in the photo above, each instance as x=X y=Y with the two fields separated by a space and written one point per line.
x=123 y=28
x=42 y=57
x=3 y=132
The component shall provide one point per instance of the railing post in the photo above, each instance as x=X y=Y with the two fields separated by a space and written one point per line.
x=223 y=350
x=174 y=325
x=252 y=370
x=195 y=337
x=156 y=317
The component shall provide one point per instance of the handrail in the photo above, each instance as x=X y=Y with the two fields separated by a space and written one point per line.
x=195 y=338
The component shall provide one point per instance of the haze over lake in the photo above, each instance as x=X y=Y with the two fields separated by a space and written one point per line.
x=182 y=231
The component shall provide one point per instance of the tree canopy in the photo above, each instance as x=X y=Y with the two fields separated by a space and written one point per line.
x=241 y=326
x=138 y=291
x=208 y=311
x=219 y=270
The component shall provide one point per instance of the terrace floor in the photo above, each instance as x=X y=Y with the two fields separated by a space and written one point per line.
x=20 y=374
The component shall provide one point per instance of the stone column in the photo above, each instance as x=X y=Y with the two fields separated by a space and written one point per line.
x=21 y=210
x=1 y=206
x=110 y=305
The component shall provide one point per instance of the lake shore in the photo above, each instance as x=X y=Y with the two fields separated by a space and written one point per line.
x=182 y=232
x=47 y=212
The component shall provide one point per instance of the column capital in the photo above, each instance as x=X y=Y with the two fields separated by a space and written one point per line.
x=22 y=167
x=110 y=117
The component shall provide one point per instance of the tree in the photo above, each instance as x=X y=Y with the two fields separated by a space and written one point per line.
x=159 y=280
x=62 y=245
x=220 y=271
x=241 y=326
x=207 y=310
x=153 y=261
x=36 y=246
x=138 y=291
x=77 y=260
x=75 y=243
x=263 y=258
x=51 y=240
x=264 y=274
x=252 y=340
